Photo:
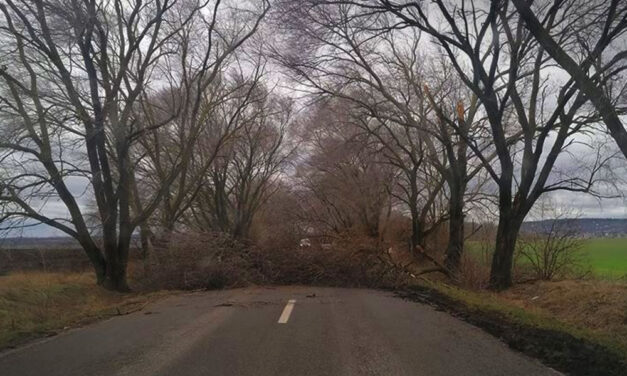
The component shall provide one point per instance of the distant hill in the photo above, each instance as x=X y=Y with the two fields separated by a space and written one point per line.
x=58 y=242
x=588 y=227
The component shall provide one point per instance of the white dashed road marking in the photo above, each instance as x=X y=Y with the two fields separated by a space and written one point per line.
x=287 y=311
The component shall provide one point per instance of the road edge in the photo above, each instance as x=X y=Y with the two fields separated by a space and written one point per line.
x=556 y=349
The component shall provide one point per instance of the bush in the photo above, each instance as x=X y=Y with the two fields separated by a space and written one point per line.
x=554 y=252
x=474 y=272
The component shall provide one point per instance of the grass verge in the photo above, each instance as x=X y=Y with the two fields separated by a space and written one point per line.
x=562 y=346
x=37 y=304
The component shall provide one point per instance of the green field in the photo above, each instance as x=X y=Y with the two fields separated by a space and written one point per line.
x=606 y=257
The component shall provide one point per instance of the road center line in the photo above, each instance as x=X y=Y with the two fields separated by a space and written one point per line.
x=287 y=311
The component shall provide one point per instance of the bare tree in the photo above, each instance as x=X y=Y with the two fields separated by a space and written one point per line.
x=77 y=73
x=366 y=61
x=507 y=71
x=344 y=183
x=220 y=115
x=241 y=177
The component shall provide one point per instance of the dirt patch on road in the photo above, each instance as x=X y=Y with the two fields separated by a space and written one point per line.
x=557 y=349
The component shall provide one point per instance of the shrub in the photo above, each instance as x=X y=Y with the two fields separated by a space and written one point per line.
x=553 y=252
x=474 y=272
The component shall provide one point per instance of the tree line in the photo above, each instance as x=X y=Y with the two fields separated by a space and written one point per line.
x=148 y=117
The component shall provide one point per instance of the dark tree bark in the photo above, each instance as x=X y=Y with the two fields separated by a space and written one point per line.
x=506 y=237
x=455 y=247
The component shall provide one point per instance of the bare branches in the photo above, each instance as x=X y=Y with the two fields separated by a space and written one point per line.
x=244 y=173
x=81 y=73
x=613 y=23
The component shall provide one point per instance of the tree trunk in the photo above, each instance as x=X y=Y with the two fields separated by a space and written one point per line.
x=145 y=237
x=96 y=259
x=117 y=261
x=455 y=246
x=416 y=230
x=115 y=277
x=503 y=258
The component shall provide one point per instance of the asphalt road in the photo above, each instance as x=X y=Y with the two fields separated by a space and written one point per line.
x=258 y=331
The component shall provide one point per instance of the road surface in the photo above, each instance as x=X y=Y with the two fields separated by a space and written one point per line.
x=275 y=331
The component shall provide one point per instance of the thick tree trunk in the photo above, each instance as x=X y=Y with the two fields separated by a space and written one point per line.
x=94 y=254
x=115 y=277
x=455 y=246
x=503 y=258
x=97 y=261
x=117 y=247
x=117 y=260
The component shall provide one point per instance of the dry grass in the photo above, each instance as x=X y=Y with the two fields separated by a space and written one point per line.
x=599 y=306
x=35 y=304
x=592 y=310
x=570 y=348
